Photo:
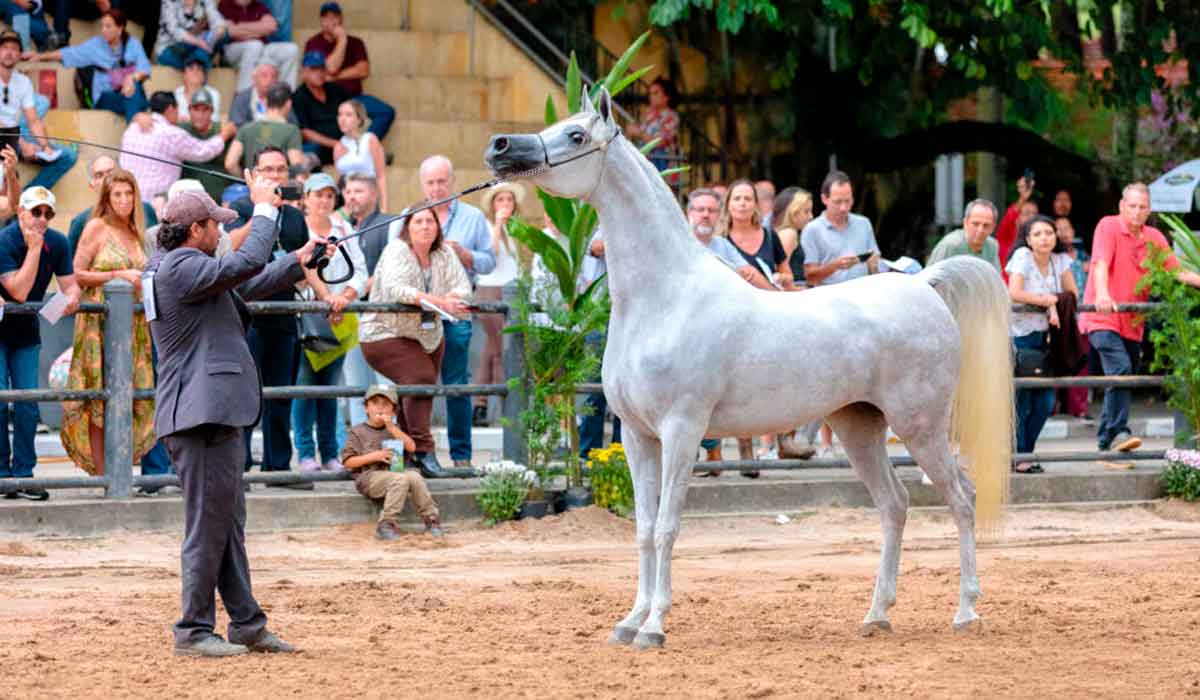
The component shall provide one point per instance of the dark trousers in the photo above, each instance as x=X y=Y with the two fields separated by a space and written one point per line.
x=1118 y=356
x=275 y=352
x=1033 y=406
x=213 y=557
x=591 y=426
x=156 y=461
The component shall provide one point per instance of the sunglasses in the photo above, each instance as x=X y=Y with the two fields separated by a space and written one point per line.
x=42 y=213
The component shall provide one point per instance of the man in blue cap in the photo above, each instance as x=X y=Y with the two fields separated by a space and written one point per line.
x=315 y=104
x=347 y=65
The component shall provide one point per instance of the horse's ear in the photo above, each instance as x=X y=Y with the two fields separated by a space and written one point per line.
x=604 y=105
x=585 y=101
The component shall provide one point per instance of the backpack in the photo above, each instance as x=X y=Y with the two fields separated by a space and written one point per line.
x=83 y=86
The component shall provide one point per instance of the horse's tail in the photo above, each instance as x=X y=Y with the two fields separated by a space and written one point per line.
x=981 y=420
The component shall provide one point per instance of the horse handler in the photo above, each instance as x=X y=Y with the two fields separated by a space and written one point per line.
x=208 y=391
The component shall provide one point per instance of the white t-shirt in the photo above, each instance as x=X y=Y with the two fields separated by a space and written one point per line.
x=506 y=267
x=1022 y=263
x=19 y=97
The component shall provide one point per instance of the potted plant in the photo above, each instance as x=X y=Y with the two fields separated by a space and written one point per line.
x=1181 y=478
x=504 y=489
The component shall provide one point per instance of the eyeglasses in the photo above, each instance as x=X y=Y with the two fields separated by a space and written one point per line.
x=42 y=213
x=272 y=171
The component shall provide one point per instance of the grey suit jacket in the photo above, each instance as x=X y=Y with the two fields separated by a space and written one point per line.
x=205 y=371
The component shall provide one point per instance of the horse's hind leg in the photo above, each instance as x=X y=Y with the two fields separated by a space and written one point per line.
x=862 y=429
x=643 y=453
x=932 y=452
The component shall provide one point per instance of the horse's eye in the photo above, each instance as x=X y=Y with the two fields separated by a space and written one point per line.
x=577 y=138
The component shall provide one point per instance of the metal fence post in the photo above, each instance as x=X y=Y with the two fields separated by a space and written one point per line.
x=118 y=381
x=516 y=400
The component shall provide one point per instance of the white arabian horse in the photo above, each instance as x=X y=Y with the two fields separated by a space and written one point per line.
x=693 y=351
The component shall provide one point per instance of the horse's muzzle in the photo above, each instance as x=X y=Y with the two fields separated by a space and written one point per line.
x=513 y=153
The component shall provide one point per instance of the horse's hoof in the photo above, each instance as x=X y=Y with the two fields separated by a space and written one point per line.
x=649 y=640
x=622 y=636
x=972 y=626
x=870 y=629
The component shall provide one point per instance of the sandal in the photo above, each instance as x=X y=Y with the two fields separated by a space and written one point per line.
x=1034 y=468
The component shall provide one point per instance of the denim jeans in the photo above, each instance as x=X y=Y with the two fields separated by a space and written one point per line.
x=380 y=113
x=50 y=173
x=275 y=353
x=38 y=29
x=456 y=370
x=127 y=107
x=18 y=370
x=591 y=426
x=156 y=461
x=323 y=412
x=1118 y=357
x=1034 y=406
x=180 y=54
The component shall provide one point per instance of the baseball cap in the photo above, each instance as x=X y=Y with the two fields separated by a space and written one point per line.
x=36 y=197
x=186 y=184
x=319 y=181
x=235 y=192
x=330 y=7
x=314 y=59
x=383 y=390
x=9 y=35
x=189 y=207
x=202 y=97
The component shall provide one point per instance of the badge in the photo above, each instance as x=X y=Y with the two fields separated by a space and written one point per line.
x=151 y=309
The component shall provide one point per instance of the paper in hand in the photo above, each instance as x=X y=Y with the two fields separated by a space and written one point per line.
x=446 y=315
x=49 y=155
x=53 y=309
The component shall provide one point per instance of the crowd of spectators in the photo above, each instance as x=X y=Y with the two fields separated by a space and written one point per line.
x=297 y=111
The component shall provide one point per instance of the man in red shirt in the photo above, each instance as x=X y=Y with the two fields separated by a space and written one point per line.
x=250 y=27
x=1119 y=249
x=347 y=65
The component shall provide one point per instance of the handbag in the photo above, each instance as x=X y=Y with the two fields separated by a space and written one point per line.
x=1032 y=362
x=316 y=333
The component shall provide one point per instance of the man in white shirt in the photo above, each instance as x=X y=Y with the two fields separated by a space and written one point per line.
x=16 y=101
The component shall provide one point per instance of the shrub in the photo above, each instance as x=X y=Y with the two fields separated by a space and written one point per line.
x=1181 y=478
x=612 y=484
x=503 y=489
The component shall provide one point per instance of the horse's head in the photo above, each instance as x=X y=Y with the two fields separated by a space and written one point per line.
x=564 y=159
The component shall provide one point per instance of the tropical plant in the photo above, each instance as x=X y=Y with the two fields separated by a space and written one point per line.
x=1176 y=335
x=612 y=484
x=563 y=321
x=1181 y=478
x=504 y=487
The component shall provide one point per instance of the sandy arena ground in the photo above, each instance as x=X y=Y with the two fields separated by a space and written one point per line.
x=1077 y=604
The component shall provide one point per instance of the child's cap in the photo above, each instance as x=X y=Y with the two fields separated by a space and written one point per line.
x=383 y=390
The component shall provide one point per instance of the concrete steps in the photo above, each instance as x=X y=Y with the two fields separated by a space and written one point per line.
x=431 y=15
x=463 y=142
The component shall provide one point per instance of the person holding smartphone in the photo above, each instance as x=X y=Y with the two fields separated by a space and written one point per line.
x=838 y=245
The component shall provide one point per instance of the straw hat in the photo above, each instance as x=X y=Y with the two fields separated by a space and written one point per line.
x=518 y=193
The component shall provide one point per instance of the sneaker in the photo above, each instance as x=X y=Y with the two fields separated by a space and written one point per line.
x=34 y=494
x=433 y=526
x=11 y=496
x=1125 y=441
x=386 y=530
x=268 y=643
x=211 y=646
x=462 y=464
x=309 y=464
x=479 y=417
x=333 y=465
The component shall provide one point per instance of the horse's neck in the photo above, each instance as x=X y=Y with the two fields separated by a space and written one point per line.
x=645 y=234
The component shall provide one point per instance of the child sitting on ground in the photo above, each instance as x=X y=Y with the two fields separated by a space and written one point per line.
x=365 y=456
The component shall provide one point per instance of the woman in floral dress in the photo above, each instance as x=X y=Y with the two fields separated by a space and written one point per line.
x=111 y=247
x=659 y=122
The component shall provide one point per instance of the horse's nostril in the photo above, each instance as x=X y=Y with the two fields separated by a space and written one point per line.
x=499 y=144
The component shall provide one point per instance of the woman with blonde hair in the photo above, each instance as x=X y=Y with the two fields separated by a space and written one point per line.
x=500 y=203
x=359 y=150
x=111 y=247
x=793 y=211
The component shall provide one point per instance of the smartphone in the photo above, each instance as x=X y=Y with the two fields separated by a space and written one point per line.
x=863 y=257
x=289 y=192
x=10 y=136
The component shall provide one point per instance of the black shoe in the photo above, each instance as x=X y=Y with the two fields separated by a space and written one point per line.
x=479 y=418
x=11 y=496
x=295 y=486
x=34 y=494
x=430 y=468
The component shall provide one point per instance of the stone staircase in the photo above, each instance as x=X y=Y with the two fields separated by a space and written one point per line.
x=453 y=79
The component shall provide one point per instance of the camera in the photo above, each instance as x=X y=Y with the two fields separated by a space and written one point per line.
x=290 y=192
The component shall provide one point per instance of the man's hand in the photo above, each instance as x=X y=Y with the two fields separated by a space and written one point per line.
x=9 y=157
x=228 y=131
x=144 y=121
x=262 y=190
x=846 y=262
x=33 y=240
x=1104 y=304
x=305 y=253
x=1024 y=189
x=465 y=256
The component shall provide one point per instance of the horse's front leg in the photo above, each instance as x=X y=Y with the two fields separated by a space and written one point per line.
x=643 y=453
x=679 y=442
